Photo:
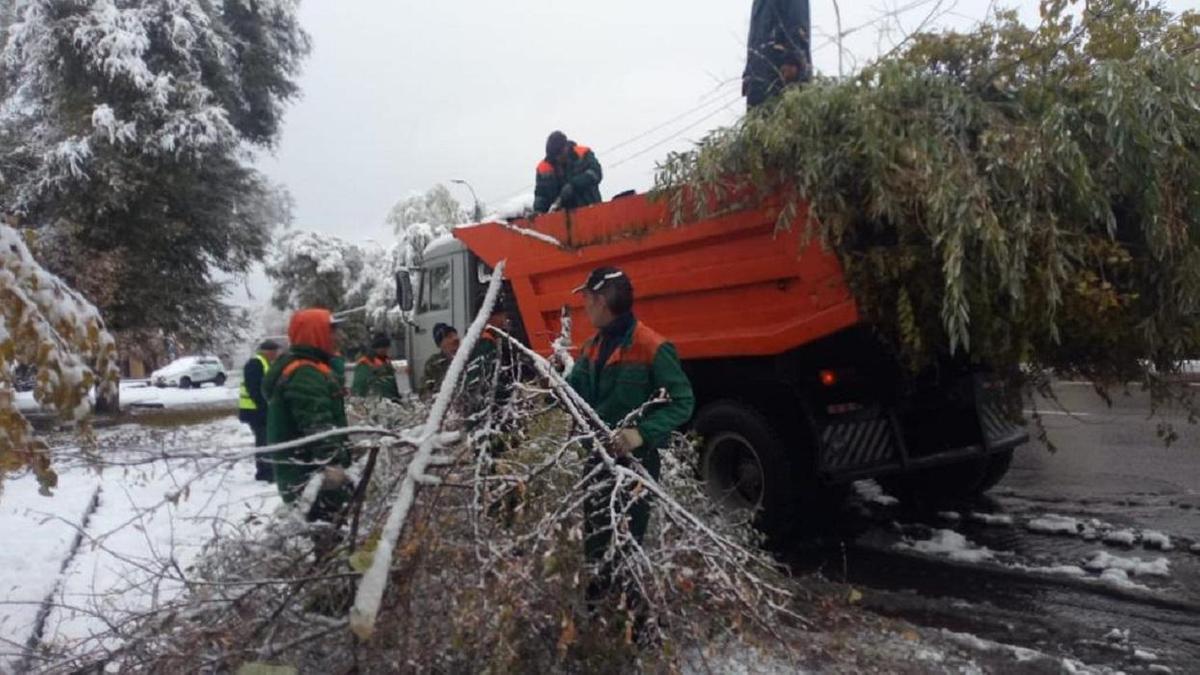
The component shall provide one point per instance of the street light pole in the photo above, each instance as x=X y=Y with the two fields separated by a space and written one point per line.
x=477 y=212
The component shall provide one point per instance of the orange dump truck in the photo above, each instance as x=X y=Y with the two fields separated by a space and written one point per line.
x=794 y=393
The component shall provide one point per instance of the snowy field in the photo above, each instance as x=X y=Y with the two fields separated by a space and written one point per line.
x=99 y=544
x=136 y=393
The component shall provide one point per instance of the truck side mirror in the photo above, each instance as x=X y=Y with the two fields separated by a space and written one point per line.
x=404 y=291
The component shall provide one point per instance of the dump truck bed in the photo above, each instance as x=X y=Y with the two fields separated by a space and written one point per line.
x=724 y=286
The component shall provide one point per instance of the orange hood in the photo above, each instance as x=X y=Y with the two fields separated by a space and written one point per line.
x=312 y=328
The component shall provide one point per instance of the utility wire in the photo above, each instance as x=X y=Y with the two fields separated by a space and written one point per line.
x=728 y=104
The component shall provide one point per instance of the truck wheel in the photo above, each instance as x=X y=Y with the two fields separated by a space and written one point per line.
x=220 y=379
x=745 y=464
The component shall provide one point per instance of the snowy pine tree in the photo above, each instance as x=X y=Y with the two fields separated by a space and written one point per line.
x=125 y=131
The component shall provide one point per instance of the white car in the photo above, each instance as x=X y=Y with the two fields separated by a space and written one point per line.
x=189 y=371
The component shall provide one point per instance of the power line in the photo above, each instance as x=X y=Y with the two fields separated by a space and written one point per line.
x=729 y=103
x=671 y=121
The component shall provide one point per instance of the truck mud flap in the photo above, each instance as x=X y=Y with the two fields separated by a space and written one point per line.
x=860 y=442
x=1000 y=432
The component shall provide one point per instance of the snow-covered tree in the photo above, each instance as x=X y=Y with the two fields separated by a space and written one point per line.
x=125 y=127
x=45 y=324
x=376 y=286
x=313 y=270
x=435 y=207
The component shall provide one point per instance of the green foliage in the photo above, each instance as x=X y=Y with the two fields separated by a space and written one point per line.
x=1028 y=197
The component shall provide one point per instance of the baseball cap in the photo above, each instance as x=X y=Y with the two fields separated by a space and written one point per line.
x=601 y=277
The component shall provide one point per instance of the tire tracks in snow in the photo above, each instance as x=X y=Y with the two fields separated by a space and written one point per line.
x=39 y=625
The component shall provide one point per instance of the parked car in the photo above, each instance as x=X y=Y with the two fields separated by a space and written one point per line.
x=190 y=371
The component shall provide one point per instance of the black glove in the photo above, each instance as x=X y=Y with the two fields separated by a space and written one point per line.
x=567 y=194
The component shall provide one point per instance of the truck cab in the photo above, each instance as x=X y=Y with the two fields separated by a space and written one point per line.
x=448 y=288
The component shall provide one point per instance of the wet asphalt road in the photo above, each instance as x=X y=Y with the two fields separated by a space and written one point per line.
x=1109 y=472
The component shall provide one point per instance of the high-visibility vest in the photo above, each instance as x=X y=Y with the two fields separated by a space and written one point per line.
x=244 y=400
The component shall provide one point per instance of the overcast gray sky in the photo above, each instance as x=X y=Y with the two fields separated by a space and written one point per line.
x=401 y=94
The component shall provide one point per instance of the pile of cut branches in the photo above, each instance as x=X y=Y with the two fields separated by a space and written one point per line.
x=1027 y=198
x=464 y=552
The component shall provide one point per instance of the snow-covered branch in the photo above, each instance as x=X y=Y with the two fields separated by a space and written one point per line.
x=370 y=590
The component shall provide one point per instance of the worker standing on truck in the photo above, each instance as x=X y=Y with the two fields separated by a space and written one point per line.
x=619 y=370
x=306 y=398
x=568 y=178
x=447 y=340
x=779 y=51
x=374 y=374
x=252 y=405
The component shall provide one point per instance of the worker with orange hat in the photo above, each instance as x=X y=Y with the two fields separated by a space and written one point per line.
x=305 y=398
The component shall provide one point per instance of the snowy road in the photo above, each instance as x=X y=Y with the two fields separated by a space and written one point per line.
x=99 y=544
x=138 y=394
x=1090 y=552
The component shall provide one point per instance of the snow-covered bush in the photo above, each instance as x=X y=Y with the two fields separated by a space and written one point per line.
x=47 y=325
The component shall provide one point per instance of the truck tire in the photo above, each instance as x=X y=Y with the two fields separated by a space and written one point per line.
x=746 y=465
x=220 y=379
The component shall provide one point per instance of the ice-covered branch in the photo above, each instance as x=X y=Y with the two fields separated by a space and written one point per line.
x=374 y=581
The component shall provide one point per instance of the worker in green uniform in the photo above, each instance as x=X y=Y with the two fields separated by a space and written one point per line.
x=374 y=374
x=252 y=405
x=305 y=398
x=619 y=370
x=568 y=178
x=447 y=340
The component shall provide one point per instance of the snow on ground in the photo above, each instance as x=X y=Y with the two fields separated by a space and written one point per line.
x=38 y=532
x=1021 y=654
x=1156 y=539
x=1121 y=537
x=1120 y=579
x=114 y=568
x=950 y=544
x=1117 y=635
x=1057 y=570
x=138 y=393
x=172 y=397
x=994 y=519
x=869 y=491
x=1103 y=560
x=1143 y=655
x=1052 y=523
